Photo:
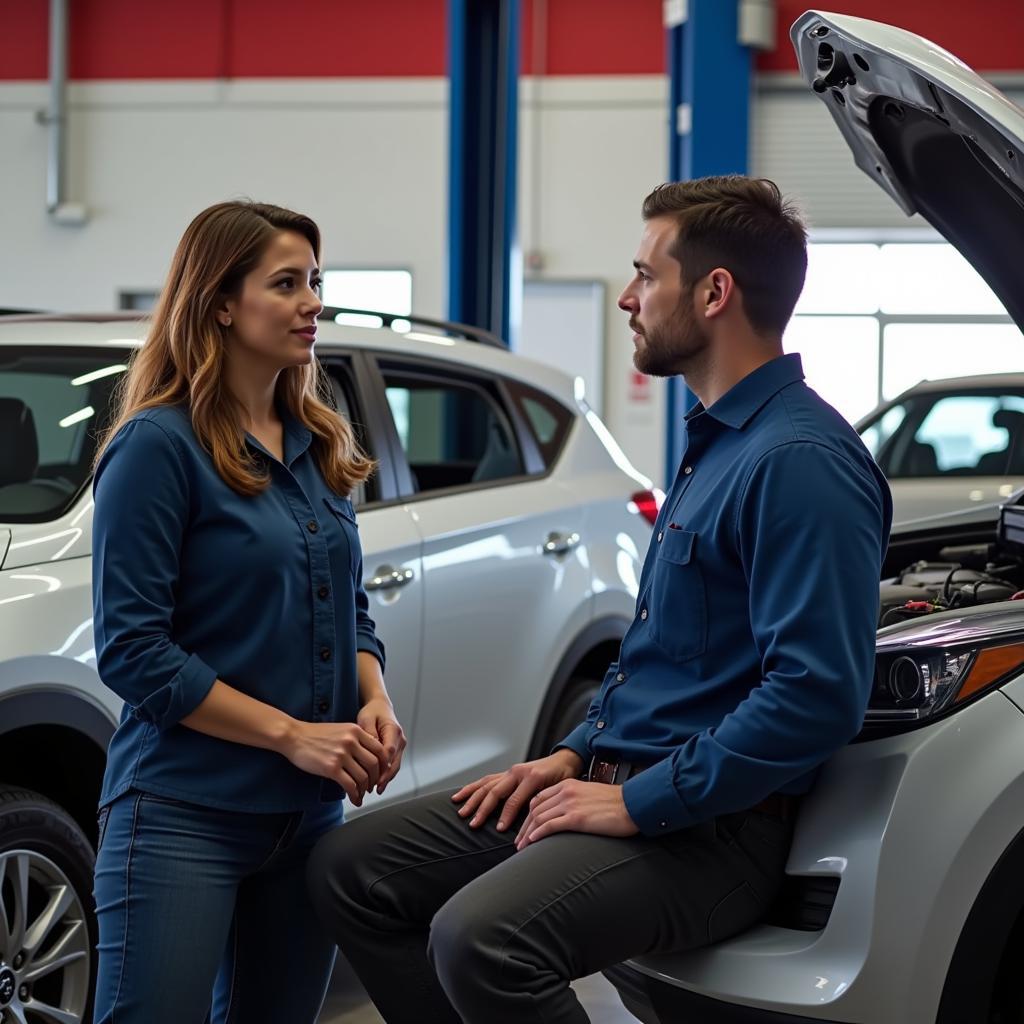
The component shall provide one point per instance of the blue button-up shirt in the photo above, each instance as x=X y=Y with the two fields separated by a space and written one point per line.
x=193 y=582
x=751 y=655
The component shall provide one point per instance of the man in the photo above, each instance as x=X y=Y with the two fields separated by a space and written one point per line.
x=663 y=822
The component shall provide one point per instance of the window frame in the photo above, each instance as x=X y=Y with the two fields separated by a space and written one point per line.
x=441 y=371
x=884 y=320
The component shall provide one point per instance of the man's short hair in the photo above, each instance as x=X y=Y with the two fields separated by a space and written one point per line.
x=744 y=226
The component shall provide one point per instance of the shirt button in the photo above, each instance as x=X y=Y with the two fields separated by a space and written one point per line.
x=600 y=725
x=688 y=471
x=323 y=592
x=663 y=824
x=312 y=526
x=621 y=677
x=323 y=707
x=660 y=535
x=325 y=654
x=643 y=615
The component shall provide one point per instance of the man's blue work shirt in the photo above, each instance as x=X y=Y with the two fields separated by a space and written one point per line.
x=751 y=656
x=193 y=582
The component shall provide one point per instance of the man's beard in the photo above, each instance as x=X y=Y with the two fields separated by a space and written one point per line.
x=669 y=348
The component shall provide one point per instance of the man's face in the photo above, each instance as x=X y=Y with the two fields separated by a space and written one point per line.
x=666 y=333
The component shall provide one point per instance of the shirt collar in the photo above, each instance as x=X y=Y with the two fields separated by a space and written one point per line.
x=739 y=404
x=297 y=438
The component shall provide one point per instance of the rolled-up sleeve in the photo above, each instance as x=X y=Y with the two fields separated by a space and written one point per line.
x=811 y=529
x=141 y=496
x=366 y=629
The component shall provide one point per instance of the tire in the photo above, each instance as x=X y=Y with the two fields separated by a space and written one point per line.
x=45 y=858
x=571 y=710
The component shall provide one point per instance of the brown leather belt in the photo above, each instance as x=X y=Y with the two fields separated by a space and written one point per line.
x=614 y=773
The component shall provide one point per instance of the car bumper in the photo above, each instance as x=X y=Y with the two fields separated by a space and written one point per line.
x=911 y=825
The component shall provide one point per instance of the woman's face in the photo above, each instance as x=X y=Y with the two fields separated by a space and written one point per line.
x=272 y=319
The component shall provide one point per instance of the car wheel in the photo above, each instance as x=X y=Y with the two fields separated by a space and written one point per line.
x=571 y=711
x=47 y=922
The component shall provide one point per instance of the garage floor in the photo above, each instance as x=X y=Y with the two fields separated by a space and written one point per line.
x=599 y=999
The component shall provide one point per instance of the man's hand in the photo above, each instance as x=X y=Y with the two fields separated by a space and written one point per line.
x=574 y=806
x=377 y=717
x=515 y=786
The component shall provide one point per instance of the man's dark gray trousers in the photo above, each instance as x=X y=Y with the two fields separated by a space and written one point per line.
x=446 y=924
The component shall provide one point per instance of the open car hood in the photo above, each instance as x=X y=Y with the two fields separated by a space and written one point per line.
x=935 y=135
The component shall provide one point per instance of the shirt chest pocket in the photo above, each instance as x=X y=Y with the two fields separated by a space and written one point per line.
x=678 y=601
x=345 y=533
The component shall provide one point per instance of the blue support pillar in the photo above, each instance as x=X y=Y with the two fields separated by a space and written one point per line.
x=709 y=116
x=484 y=276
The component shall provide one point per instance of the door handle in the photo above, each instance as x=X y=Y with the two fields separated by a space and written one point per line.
x=388 y=578
x=560 y=543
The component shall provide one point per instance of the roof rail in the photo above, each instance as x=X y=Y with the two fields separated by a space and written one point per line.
x=464 y=331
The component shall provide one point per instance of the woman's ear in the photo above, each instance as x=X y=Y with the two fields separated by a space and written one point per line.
x=223 y=314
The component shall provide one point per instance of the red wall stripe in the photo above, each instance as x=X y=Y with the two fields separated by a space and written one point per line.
x=987 y=34
x=190 y=39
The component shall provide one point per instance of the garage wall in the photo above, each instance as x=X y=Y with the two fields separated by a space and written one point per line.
x=168 y=115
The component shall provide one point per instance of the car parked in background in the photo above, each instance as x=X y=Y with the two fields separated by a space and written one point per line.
x=503 y=535
x=902 y=901
x=949 y=444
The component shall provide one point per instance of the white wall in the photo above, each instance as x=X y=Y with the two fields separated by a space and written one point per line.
x=366 y=158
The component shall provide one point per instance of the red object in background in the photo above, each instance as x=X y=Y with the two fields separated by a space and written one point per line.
x=647 y=504
x=639 y=386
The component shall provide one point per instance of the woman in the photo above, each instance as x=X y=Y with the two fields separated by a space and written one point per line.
x=230 y=617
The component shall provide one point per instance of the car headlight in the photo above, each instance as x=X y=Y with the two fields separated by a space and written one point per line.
x=934 y=666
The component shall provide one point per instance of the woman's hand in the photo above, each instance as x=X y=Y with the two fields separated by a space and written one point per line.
x=341 y=751
x=377 y=717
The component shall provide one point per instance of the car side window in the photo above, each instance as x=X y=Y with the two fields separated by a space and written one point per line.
x=54 y=402
x=453 y=430
x=963 y=435
x=549 y=421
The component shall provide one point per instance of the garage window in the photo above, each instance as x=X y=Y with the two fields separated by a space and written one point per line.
x=876 y=318
x=53 y=404
x=454 y=432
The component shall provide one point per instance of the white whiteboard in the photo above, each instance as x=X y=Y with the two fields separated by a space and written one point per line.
x=563 y=326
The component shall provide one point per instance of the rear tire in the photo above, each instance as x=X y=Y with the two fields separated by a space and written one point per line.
x=571 y=711
x=45 y=860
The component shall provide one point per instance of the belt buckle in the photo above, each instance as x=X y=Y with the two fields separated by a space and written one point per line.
x=603 y=771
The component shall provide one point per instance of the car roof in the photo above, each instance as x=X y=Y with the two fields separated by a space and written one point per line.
x=982 y=380
x=89 y=330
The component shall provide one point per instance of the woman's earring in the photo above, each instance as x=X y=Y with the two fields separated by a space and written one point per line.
x=227 y=322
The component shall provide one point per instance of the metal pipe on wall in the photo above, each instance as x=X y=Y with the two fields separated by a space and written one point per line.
x=56 y=120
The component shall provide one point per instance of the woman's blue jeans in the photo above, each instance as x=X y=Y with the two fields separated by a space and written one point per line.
x=204 y=915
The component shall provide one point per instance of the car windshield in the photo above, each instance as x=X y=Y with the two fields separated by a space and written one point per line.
x=53 y=404
x=978 y=433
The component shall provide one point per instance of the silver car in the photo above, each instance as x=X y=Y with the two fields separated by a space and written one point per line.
x=949 y=444
x=503 y=537
x=903 y=901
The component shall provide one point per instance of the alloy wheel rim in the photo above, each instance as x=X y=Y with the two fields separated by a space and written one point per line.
x=44 y=943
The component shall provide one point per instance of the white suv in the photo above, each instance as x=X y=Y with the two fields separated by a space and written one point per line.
x=503 y=536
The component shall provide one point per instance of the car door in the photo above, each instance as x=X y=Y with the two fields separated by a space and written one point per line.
x=392 y=559
x=507 y=578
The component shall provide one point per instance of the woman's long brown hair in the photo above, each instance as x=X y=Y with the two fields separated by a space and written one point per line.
x=181 y=361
